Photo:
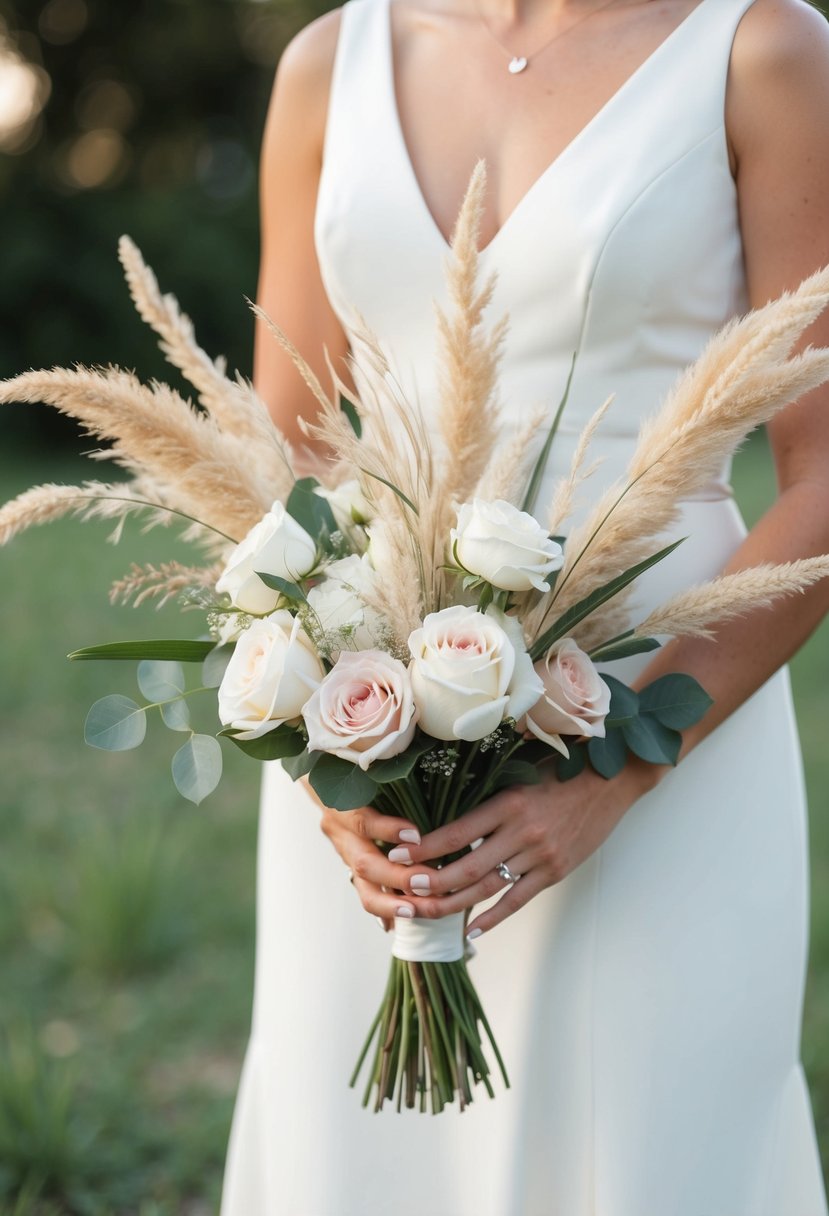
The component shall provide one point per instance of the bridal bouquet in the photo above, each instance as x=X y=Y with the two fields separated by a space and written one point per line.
x=402 y=631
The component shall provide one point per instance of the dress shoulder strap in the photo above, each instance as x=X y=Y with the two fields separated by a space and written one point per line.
x=355 y=83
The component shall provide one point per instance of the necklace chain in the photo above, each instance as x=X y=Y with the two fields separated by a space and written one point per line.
x=519 y=62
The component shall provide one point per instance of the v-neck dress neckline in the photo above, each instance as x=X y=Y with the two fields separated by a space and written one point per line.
x=604 y=113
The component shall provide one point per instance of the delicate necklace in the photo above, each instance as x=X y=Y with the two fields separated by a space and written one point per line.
x=518 y=63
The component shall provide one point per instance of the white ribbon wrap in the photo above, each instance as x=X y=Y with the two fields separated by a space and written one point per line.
x=429 y=941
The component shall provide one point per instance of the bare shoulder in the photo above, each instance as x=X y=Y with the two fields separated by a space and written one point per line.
x=299 y=101
x=779 y=76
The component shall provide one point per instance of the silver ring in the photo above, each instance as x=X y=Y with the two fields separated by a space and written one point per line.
x=506 y=873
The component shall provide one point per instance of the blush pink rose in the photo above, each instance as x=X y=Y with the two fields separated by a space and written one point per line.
x=363 y=710
x=575 y=700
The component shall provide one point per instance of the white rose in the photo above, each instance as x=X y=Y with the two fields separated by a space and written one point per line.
x=340 y=609
x=505 y=546
x=271 y=674
x=276 y=545
x=348 y=504
x=363 y=710
x=575 y=699
x=470 y=670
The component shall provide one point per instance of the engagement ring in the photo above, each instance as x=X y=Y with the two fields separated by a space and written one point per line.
x=506 y=873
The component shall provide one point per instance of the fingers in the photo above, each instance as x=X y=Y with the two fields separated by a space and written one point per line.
x=373 y=825
x=386 y=905
x=514 y=897
x=454 y=837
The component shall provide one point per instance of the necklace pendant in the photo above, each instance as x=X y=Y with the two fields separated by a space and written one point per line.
x=517 y=64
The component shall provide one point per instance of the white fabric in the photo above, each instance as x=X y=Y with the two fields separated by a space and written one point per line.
x=429 y=941
x=648 y=1006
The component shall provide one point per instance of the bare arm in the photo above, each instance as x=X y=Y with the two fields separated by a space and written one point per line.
x=290 y=286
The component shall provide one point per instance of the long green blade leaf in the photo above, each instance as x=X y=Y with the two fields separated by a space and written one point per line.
x=541 y=463
x=595 y=599
x=170 y=650
x=394 y=489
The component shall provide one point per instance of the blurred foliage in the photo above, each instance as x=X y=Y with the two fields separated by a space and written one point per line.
x=151 y=125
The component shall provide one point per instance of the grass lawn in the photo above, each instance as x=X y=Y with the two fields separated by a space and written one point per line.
x=127 y=914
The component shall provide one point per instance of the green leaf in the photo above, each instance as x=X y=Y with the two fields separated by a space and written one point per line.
x=398 y=767
x=115 y=724
x=622 y=648
x=570 y=766
x=176 y=715
x=340 y=784
x=675 y=700
x=215 y=665
x=394 y=489
x=311 y=511
x=298 y=766
x=160 y=681
x=624 y=702
x=197 y=767
x=537 y=474
x=595 y=599
x=290 y=590
x=183 y=650
x=486 y=597
x=516 y=772
x=273 y=745
x=350 y=411
x=608 y=755
x=648 y=739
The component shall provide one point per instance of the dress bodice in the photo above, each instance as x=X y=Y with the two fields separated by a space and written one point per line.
x=625 y=250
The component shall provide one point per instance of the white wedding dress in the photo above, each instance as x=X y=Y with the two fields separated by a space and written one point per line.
x=649 y=1005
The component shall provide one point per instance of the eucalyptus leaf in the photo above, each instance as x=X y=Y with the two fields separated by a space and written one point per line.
x=160 y=681
x=624 y=702
x=215 y=665
x=676 y=700
x=570 y=766
x=516 y=772
x=311 y=511
x=608 y=755
x=561 y=627
x=180 y=649
x=398 y=767
x=115 y=724
x=648 y=739
x=340 y=784
x=623 y=648
x=273 y=745
x=197 y=767
x=176 y=715
x=298 y=766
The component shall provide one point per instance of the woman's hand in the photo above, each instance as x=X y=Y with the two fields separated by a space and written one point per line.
x=541 y=832
x=354 y=834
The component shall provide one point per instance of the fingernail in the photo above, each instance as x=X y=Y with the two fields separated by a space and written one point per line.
x=401 y=855
x=410 y=836
x=420 y=884
x=473 y=933
x=381 y=923
x=476 y=844
x=404 y=910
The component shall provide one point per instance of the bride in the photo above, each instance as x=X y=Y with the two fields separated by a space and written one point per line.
x=654 y=167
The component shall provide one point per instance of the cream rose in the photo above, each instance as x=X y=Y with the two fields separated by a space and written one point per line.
x=340 y=609
x=276 y=545
x=575 y=700
x=271 y=674
x=470 y=670
x=505 y=546
x=363 y=710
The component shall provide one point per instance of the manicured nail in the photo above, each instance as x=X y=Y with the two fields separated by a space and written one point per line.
x=473 y=933
x=476 y=844
x=401 y=855
x=410 y=836
x=420 y=884
x=404 y=910
x=381 y=923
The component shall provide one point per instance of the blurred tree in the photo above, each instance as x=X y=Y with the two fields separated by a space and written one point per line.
x=142 y=118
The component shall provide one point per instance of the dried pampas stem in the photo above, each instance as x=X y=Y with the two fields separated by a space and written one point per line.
x=694 y=611
x=161 y=582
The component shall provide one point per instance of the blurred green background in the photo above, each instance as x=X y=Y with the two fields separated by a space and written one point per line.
x=127 y=915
